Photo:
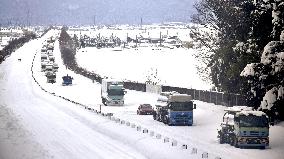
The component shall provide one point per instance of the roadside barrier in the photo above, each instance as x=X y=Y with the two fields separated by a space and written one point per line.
x=133 y=125
x=138 y=128
x=158 y=136
x=152 y=133
x=145 y=130
x=204 y=155
x=166 y=139
x=174 y=142
x=184 y=146
x=194 y=150
x=122 y=122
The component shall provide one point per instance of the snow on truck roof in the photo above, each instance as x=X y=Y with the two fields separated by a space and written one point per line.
x=180 y=98
x=112 y=80
x=238 y=108
x=251 y=112
x=168 y=93
x=162 y=99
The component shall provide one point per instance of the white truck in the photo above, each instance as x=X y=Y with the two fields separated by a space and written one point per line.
x=112 y=92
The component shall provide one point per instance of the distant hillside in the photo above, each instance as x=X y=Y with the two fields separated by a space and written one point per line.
x=83 y=11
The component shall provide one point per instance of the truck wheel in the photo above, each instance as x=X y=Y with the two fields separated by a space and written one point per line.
x=221 y=139
x=236 y=142
x=232 y=140
x=104 y=101
x=262 y=147
x=165 y=120
x=158 y=117
x=168 y=121
x=138 y=112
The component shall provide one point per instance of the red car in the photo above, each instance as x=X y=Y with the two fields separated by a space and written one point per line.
x=145 y=109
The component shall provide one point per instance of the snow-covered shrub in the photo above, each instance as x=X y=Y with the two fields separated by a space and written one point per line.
x=282 y=36
x=266 y=79
x=152 y=77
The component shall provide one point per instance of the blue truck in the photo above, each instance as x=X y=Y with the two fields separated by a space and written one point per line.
x=67 y=80
x=244 y=128
x=175 y=109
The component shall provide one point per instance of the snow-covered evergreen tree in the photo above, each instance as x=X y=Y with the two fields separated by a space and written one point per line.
x=232 y=45
x=266 y=78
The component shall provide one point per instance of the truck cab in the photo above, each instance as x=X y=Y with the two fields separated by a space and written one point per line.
x=244 y=128
x=112 y=92
x=251 y=128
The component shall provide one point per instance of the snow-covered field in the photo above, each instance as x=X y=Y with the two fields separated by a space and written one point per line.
x=124 y=31
x=174 y=67
x=8 y=34
x=35 y=124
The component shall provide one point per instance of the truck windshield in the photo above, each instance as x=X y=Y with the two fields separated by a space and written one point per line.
x=115 y=92
x=181 y=106
x=253 y=121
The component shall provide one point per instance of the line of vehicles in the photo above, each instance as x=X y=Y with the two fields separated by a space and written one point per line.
x=48 y=64
x=241 y=126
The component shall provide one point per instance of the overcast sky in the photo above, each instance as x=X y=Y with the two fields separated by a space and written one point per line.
x=71 y=12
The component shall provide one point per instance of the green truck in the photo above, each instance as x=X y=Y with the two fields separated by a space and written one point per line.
x=243 y=127
x=112 y=92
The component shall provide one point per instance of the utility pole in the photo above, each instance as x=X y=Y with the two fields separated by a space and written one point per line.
x=28 y=17
x=160 y=38
x=127 y=38
x=141 y=23
x=94 y=20
x=136 y=41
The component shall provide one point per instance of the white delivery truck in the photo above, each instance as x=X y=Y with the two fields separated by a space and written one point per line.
x=112 y=92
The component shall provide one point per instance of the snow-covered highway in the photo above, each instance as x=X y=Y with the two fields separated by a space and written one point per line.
x=35 y=124
x=61 y=132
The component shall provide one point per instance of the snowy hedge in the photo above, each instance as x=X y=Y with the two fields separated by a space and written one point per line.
x=15 y=44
